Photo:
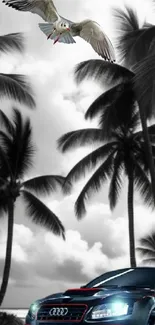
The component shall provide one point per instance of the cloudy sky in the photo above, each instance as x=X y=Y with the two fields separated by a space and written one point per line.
x=42 y=263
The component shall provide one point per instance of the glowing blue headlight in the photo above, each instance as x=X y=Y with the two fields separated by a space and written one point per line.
x=113 y=309
x=33 y=310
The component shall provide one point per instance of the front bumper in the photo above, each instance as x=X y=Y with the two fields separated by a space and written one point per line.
x=126 y=321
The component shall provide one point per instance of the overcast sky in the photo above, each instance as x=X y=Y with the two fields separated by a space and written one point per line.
x=42 y=263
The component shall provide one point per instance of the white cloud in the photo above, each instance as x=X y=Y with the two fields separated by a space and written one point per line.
x=45 y=261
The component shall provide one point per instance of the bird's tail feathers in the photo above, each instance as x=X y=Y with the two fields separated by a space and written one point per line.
x=48 y=29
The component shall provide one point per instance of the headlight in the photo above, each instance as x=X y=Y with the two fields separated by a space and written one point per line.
x=33 y=310
x=113 y=309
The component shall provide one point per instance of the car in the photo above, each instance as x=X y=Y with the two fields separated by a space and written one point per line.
x=120 y=297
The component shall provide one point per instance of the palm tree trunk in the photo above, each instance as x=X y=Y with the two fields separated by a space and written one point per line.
x=148 y=147
x=131 y=219
x=8 y=256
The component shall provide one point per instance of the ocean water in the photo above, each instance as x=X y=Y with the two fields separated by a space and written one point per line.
x=21 y=313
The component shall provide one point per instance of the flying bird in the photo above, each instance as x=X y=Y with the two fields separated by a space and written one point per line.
x=63 y=30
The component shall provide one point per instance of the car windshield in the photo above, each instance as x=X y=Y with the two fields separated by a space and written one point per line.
x=138 y=277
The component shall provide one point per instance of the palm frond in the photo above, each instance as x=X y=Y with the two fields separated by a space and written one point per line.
x=140 y=154
x=79 y=138
x=151 y=131
x=149 y=261
x=6 y=123
x=107 y=99
x=148 y=241
x=100 y=176
x=5 y=146
x=143 y=185
x=45 y=184
x=144 y=85
x=41 y=215
x=117 y=117
x=153 y=150
x=146 y=252
x=5 y=141
x=23 y=148
x=16 y=87
x=135 y=119
x=18 y=145
x=147 y=25
x=3 y=206
x=90 y=161
x=9 y=42
x=133 y=43
x=147 y=248
x=117 y=107
x=5 y=168
x=116 y=180
x=106 y=72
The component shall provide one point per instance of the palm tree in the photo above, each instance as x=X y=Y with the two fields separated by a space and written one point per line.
x=147 y=248
x=16 y=153
x=10 y=319
x=133 y=45
x=15 y=86
x=136 y=49
x=135 y=41
x=122 y=154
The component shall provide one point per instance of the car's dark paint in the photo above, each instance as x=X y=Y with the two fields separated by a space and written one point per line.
x=136 y=287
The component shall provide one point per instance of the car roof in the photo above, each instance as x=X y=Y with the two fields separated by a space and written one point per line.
x=127 y=276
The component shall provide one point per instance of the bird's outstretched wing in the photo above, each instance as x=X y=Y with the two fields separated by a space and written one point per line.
x=92 y=33
x=44 y=8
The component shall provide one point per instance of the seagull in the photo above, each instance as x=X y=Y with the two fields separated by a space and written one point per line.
x=63 y=30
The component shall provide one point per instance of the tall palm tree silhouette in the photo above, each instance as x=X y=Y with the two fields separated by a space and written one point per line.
x=122 y=154
x=16 y=154
x=135 y=47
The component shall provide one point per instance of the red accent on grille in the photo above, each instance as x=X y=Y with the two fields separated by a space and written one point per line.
x=84 y=289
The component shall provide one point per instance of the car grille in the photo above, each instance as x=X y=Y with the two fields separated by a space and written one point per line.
x=74 y=312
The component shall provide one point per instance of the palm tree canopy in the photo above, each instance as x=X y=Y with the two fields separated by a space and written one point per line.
x=9 y=42
x=107 y=73
x=18 y=146
x=136 y=47
x=126 y=148
x=144 y=84
x=146 y=248
x=16 y=155
x=133 y=42
x=115 y=107
x=14 y=86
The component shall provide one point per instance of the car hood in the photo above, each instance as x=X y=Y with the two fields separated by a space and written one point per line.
x=84 y=295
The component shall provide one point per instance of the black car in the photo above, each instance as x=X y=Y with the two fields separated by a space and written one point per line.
x=125 y=296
